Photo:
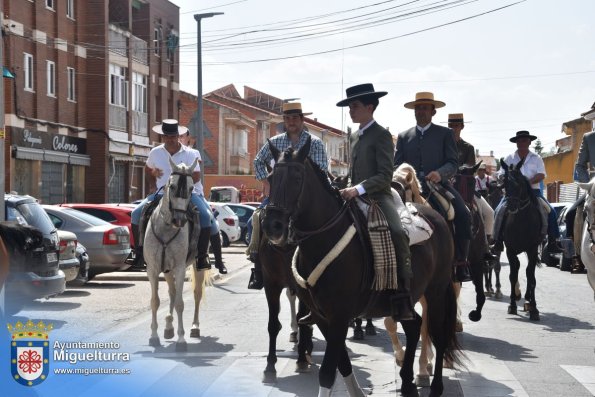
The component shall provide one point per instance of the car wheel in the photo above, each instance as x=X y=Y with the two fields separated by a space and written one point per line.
x=224 y=240
x=246 y=238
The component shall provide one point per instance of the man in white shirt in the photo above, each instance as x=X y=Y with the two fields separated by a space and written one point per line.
x=534 y=170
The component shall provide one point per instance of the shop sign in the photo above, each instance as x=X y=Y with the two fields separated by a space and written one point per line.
x=43 y=140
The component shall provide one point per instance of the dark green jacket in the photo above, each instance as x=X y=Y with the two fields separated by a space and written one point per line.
x=372 y=160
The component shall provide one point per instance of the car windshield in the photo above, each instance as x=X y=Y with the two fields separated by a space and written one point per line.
x=35 y=216
x=90 y=219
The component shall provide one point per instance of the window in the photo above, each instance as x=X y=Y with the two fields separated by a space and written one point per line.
x=28 y=71
x=70 y=9
x=71 y=81
x=157 y=41
x=51 y=78
x=139 y=92
x=49 y=4
x=118 y=86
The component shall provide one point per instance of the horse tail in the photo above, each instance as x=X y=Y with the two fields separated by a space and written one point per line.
x=447 y=331
x=205 y=282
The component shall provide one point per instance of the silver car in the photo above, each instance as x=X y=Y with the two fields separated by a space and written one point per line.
x=108 y=245
x=67 y=260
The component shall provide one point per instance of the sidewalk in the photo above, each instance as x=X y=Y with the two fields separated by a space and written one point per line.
x=233 y=256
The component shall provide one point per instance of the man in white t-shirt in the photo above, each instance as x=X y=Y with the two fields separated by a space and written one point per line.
x=159 y=169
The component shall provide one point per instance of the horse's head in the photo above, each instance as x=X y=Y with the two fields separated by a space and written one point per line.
x=405 y=178
x=516 y=185
x=287 y=185
x=465 y=181
x=178 y=191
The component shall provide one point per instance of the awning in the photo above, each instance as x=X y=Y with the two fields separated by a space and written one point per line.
x=26 y=153
x=6 y=73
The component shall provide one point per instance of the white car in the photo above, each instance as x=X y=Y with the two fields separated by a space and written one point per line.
x=228 y=221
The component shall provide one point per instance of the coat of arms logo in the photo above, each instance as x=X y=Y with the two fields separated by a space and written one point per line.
x=29 y=352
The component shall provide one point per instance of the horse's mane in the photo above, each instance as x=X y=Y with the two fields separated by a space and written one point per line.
x=20 y=238
x=406 y=175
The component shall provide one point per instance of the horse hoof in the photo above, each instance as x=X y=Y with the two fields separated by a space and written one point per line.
x=168 y=333
x=534 y=315
x=358 y=334
x=407 y=389
x=181 y=347
x=422 y=380
x=459 y=326
x=154 y=342
x=526 y=307
x=302 y=367
x=269 y=376
x=474 y=316
x=498 y=294
x=371 y=331
x=511 y=309
x=398 y=360
x=195 y=333
x=517 y=297
x=293 y=337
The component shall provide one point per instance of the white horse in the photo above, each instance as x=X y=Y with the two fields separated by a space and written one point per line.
x=588 y=237
x=166 y=249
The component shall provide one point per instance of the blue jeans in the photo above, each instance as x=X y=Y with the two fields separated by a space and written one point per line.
x=204 y=211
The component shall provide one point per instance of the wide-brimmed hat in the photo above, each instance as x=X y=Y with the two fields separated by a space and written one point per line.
x=482 y=166
x=424 y=97
x=522 y=134
x=360 y=91
x=294 y=108
x=170 y=127
x=456 y=118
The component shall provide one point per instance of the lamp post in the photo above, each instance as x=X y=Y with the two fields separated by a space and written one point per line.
x=199 y=132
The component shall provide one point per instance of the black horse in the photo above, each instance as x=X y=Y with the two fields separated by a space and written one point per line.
x=305 y=208
x=465 y=184
x=493 y=198
x=522 y=233
x=276 y=272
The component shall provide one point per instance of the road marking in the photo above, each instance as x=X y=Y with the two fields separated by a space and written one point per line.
x=585 y=375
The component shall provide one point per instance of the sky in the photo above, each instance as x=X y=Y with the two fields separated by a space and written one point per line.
x=508 y=65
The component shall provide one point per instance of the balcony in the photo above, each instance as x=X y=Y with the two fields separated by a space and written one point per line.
x=138 y=48
x=139 y=123
x=118 y=40
x=117 y=118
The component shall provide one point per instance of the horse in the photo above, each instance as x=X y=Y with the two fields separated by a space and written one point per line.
x=334 y=276
x=588 y=236
x=493 y=198
x=522 y=233
x=167 y=249
x=276 y=275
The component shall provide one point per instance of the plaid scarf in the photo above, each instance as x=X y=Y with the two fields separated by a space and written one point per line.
x=385 y=260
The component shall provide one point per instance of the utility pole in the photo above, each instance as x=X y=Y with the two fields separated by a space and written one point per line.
x=199 y=119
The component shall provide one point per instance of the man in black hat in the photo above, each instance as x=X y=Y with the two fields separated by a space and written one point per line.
x=159 y=170
x=295 y=136
x=432 y=151
x=370 y=173
x=534 y=170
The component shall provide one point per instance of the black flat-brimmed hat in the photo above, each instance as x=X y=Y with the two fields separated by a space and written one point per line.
x=522 y=134
x=360 y=91
x=170 y=127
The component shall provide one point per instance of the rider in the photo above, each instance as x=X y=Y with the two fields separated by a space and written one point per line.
x=370 y=173
x=188 y=141
x=432 y=151
x=295 y=136
x=534 y=170
x=159 y=170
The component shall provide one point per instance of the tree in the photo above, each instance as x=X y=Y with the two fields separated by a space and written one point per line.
x=538 y=147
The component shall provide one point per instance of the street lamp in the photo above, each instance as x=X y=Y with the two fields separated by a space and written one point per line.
x=200 y=133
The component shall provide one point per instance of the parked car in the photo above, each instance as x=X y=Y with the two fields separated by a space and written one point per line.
x=564 y=259
x=254 y=204
x=67 y=260
x=83 y=257
x=244 y=213
x=108 y=245
x=228 y=222
x=39 y=276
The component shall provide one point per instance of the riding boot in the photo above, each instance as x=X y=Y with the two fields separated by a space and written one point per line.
x=139 y=260
x=216 y=246
x=462 y=273
x=553 y=246
x=202 y=258
x=401 y=304
x=256 y=276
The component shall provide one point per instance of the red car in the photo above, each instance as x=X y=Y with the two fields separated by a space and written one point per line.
x=118 y=214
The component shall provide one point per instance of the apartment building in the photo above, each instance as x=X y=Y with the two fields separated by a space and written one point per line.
x=90 y=80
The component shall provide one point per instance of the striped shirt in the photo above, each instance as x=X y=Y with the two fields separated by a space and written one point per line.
x=282 y=142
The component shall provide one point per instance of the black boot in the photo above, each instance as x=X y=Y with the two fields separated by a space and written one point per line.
x=462 y=273
x=202 y=257
x=401 y=304
x=553 y=246
x=256 y=276
x=139 y=260
x=216 y=247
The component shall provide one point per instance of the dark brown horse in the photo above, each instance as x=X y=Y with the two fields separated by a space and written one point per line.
x=522 y=233
x=306 y=209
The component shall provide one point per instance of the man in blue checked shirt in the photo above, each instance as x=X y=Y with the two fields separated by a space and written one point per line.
x=295 y=136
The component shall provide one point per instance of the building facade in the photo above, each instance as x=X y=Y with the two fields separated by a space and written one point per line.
x=90 y=80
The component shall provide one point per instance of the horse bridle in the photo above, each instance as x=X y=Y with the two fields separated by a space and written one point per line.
x=521 y=204
x=179 y=190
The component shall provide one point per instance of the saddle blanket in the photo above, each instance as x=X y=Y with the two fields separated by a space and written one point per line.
x=416 y=227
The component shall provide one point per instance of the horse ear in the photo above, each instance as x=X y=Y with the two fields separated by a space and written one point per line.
x=476 y=166
x=193 y=166
x=520 y=164
x=503 y=164
x=585 y=186
x=274 y=150
x=171 y=162
x=304 y=150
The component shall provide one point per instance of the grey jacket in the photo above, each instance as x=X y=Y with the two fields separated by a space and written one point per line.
x=436 y=150
x=586 y=154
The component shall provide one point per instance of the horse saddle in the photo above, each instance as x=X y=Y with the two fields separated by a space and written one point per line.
x=191 y=215
x=442 y=198
x=544 y=204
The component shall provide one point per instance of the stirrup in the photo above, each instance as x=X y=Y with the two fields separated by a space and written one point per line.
x=402 y=307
